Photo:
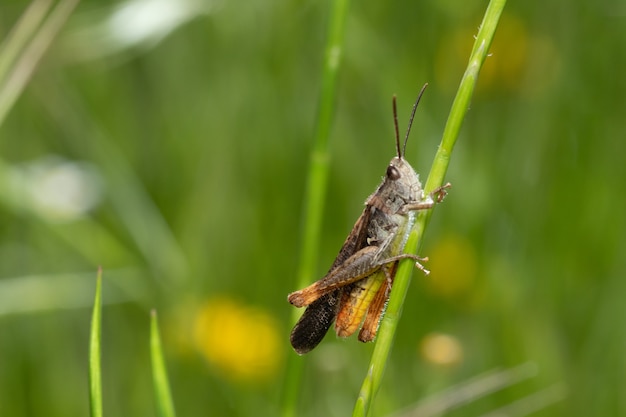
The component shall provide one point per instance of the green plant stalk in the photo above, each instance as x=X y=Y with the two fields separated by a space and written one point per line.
x=389 y=324
x=316 y=185
x=162 y=393
x=95 y=367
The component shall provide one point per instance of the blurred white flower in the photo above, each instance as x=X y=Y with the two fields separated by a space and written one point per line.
x=59 y=190
x=134 y=24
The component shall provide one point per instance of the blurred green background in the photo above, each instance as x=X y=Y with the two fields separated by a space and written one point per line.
x=168 y=142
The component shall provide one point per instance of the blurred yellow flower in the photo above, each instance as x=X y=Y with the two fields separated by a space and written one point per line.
x=441 y=349
x=240 y=340
x=508 y=60
x=517 y=61
x=453 y=266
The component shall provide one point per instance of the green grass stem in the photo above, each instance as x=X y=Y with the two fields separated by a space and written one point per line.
x=316 y=185
x=372 y=381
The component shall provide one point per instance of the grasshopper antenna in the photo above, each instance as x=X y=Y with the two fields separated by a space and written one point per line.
x=408 y=130
x=395 y=123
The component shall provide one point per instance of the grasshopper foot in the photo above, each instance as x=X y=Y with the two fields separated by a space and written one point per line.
x=439 y=193
x=419 y=266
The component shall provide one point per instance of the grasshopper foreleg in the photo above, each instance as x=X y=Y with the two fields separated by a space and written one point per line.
x=434 y=197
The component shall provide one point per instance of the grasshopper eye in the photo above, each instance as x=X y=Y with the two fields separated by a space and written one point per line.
x=393 y=173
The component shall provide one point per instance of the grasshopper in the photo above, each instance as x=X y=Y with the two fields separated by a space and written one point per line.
x=358 y=283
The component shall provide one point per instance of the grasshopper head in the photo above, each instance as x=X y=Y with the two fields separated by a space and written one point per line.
x=401 y=182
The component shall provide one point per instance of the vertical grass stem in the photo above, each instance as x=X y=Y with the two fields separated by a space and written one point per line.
x=372 y=381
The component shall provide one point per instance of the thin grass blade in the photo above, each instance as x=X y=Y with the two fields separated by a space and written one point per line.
x=162 y=393
x=95 y=366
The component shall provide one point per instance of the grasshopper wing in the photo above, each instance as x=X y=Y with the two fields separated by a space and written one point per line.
x=315 y=322
x=320 y=314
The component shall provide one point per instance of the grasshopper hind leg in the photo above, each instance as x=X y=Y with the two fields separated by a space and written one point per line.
x=315 y=322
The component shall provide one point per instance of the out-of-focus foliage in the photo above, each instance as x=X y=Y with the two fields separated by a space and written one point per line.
x=168 y=142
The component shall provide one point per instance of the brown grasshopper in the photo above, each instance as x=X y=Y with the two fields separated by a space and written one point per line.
x=359 y=282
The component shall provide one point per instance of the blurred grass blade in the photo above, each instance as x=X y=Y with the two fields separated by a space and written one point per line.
x=316 y=185
x=475 y=388
x=319 y=162
x=41 y=293
x=532 y=403
x=20 y=34
x=12 y=84
x=163 y=395
x=95 y=375
x=389 y=324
